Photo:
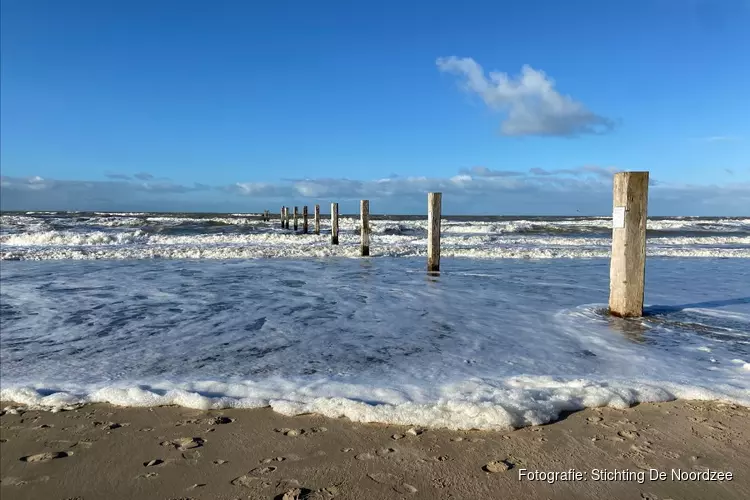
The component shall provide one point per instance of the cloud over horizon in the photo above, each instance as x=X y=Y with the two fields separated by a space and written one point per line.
x=530 y=102
x=583 y=190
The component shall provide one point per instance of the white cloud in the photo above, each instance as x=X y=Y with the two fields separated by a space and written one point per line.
x=720 y=138
x=537 y=191
x=530 y=101
x=603 y=172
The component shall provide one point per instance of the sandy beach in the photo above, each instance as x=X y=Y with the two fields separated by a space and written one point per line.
x=105 y=452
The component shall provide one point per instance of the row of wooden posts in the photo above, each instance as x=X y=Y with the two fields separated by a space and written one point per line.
x=628 y=260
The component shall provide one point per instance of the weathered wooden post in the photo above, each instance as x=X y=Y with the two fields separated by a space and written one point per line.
x=434 y=202
x=304 y=219
x=281 y=217
x=317 y=219
x=364 y=220
x=286 y=217
x=627 y=270
x=296 y=217
x=334 y=223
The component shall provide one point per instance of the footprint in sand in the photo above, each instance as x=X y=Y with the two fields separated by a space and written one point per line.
x=185 y=443
x=384 y=452
x=628 y=434
x=393 y=481
x=148 y=475
x=45 y=457
x=154 y=462
x=263 y=470
x=246 y=481
x=269 y=460
x=498 y=466
x=347 y=450
x=221 y=420
x=220 y=462
x=364 y=456
x=191 y=454
x=290 y=432
x=643 y=450
x=294 y=494
x=109 y=425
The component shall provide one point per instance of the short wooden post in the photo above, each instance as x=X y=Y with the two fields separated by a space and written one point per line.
x=304 y=219
x=296 y=217
x=334 y=223
x=317 y=219
x=627 y=270
x=281 y=217
x=364 y=220
x=434 y=202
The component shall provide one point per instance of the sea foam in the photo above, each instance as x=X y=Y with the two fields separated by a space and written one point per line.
x=487 y=344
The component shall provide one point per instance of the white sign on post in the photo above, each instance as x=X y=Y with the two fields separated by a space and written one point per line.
x=618 y=217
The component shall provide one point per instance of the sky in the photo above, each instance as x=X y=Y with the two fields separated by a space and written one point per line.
x=505 y=107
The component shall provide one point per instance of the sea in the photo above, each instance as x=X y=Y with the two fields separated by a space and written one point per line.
x=228 y=310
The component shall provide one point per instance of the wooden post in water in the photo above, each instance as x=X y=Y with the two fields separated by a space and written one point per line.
x=286 y=217
x=317 y=219
x=304 y=219
x=334 y=223
x=296 y=217
x=281 y=217
x=434 y=202
x=627 y=270
x=364 y=220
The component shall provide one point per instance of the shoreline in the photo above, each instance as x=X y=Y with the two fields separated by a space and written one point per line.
x=169 y=452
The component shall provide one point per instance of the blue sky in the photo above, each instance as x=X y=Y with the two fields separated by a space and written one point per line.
x=233 y=105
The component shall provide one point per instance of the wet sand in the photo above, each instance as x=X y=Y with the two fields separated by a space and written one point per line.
x=105 y=452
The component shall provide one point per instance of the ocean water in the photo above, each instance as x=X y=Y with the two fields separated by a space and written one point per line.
x=495 y=341
x=51 y=235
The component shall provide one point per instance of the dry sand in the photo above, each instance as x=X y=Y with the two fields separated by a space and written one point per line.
x=105 y=452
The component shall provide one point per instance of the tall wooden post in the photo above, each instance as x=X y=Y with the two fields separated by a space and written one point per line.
x=286 y=217
x=364 y=220
x=281 y=217
x=304 y=219
x=434 y=202
x=334 y=223
x=317 y=219
x=627 y=271
x=296 y=217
